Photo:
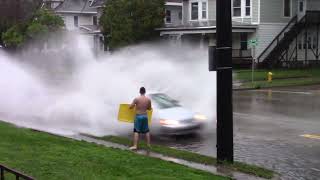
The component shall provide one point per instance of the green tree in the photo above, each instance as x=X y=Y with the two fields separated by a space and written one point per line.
x=14 y=12
x=47 y=18
x=38 y=27
x=4 y=26
x=43 y=22
x=125 y=22
x=36 y=30
x=13 y=37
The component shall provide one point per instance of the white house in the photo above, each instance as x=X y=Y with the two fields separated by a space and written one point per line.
x=287 y=30
x=82 y=16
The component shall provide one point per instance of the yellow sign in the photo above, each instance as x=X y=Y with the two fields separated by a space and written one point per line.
x=128 y=115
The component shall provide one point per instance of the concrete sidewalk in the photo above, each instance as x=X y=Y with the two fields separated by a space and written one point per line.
x=208 y=168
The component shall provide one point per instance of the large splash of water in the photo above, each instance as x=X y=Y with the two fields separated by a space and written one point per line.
x=70 y=91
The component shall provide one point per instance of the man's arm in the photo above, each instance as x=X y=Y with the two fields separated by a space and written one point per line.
x=133 y=104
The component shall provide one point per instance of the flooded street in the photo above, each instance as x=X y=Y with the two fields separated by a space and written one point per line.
x=268 y=131
x=278 y=129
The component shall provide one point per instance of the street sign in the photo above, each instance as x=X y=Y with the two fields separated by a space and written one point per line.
x=253 y=42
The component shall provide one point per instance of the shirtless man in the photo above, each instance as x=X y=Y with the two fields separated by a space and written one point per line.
x=142 y=104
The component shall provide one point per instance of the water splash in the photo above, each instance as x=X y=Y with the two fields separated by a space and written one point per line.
x=71 y=91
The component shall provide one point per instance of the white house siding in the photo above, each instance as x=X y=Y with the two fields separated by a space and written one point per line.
x=272 y=22
x=185 y=12
x=86 y=19
x=313 y=5
x=247 y=20
x=82 y=20
x=265 y=34
x=68 y=21
x=271 y=11
x=212 y=9
x=255 y=11
x=175 y=10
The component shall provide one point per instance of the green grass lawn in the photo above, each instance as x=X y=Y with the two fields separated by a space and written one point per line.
x=45 y=156
x=281 y=77
x=194 y=157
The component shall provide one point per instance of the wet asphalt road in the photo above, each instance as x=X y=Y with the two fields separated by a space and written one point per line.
x=268 y=125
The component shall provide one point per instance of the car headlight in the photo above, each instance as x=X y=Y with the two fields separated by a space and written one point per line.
x=200 y=117
x=168 y=122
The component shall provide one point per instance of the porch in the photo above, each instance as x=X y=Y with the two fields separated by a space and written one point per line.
x=202 y=38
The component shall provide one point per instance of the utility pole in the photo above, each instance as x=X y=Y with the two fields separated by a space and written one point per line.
x=224 y=82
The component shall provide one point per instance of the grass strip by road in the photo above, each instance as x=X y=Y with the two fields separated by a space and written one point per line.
x=46 y=156
x=281 y=77
x=193 y=157
x=281 y=83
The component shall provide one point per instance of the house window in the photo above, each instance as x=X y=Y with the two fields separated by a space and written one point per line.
x=194 y=10
x=248 y=8
x=236 y=8
x=95 y=20
x=168 y=16
x=75 y=21
x=204 y=10
x=287 y=8
x=241 y=8
x=199 y=9
x=301 y=4
x=180 y=15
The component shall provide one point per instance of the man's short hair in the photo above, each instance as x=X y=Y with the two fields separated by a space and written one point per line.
x=142 y=90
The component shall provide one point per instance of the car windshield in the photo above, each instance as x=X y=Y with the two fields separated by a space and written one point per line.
x=164 y=101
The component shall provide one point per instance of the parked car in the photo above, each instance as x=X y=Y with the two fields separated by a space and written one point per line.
x=170 y=118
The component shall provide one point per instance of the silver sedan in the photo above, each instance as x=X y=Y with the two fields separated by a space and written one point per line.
x=170 y=118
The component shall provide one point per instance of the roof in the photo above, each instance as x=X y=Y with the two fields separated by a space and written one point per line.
x=76 y=6
x=97 y=3
x=173 y=2
x=176 y=1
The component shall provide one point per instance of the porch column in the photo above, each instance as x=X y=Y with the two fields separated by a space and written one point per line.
x=202 y=41
x=178 y=40
x=212 y=40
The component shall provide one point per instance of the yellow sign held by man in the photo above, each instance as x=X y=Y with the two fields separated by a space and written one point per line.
x=128 y=115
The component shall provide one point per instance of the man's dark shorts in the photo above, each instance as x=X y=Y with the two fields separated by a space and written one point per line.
x=141 y=124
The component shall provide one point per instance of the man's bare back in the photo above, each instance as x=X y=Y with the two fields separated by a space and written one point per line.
x=142 y=104
x=141 y=124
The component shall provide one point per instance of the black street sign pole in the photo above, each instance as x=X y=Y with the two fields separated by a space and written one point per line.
x=224 y=82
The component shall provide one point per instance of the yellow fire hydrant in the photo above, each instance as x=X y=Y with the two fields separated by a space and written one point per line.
x=270 y=76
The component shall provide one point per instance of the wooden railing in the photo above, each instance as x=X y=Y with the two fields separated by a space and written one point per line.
x=310 y=18
x=240 y=53
x=277 y=39
x=17 y=174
